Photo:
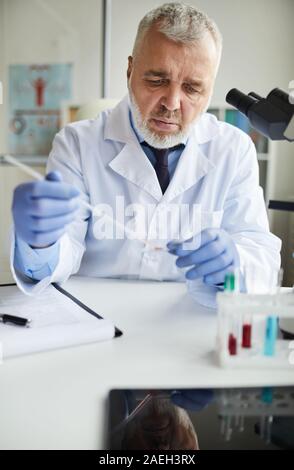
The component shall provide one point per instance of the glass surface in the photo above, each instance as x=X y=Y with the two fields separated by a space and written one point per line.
x=199 y=419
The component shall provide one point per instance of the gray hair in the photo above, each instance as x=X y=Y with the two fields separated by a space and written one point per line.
x=180 y=23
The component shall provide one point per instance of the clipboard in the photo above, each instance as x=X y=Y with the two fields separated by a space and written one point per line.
x=56 y=323
x=118 y=332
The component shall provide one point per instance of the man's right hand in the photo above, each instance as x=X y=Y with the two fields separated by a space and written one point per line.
x=42 y=209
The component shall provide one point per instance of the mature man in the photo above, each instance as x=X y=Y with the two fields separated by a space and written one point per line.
x=157 y=164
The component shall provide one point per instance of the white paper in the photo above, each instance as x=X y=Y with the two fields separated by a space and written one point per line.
x=56 y=322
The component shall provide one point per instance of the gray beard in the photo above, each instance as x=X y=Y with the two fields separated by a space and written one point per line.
x=153 y=139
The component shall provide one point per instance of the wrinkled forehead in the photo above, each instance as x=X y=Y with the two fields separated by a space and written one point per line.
x=175 y=60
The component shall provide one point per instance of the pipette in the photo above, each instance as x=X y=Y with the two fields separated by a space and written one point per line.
x=35 y=174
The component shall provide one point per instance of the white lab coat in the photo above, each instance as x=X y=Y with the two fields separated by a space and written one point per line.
x=217 y=170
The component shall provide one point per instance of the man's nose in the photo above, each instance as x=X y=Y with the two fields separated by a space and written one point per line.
x=172 y=97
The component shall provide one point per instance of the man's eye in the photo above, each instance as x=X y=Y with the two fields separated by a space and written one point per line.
x=156 y=82
x=190 y=89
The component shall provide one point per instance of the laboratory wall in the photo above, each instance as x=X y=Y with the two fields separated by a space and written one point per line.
x=52 y=31
x=45 y=32
x=257 y=56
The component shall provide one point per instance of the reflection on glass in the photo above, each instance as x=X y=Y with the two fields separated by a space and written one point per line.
x=158 y=424
x=158 y=419
x=246 y=418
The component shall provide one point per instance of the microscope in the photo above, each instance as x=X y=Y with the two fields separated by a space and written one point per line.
x=273 y=117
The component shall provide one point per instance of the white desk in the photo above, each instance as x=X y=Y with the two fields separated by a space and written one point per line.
x=57 y=399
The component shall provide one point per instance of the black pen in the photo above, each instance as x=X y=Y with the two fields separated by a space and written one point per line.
x=19 y=321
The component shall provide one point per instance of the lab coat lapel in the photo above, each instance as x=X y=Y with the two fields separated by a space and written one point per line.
x=132 y=163
x=117 y=125
x=192 y=166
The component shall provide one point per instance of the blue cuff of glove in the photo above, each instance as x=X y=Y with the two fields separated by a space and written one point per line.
x=36 y=263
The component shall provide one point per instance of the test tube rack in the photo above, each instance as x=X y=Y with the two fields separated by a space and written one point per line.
x=236 y=405
x=248 y=333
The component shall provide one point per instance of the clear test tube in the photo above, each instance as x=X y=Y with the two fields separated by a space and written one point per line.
x=232 y=345
x=228 y=428
x=242 y=423
x=232 y=287
x=268 y=429
x=271 y=333
x=258 y=282
x=234 y=335
x=247 y=331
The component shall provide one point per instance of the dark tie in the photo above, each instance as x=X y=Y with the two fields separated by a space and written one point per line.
x=161 y=165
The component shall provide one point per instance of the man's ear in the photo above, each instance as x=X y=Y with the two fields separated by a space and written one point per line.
x=130 y=66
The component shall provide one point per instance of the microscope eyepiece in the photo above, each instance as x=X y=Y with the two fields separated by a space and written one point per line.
x=240 y=101
x=273 y=116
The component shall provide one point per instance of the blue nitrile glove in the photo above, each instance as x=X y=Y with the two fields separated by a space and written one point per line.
x=193 y=400
x=215 y=256
x=42 y=209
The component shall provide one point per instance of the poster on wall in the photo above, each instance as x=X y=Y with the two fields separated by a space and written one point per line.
x=36 y=93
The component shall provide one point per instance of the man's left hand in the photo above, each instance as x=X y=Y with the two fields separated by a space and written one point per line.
x=215 y=256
